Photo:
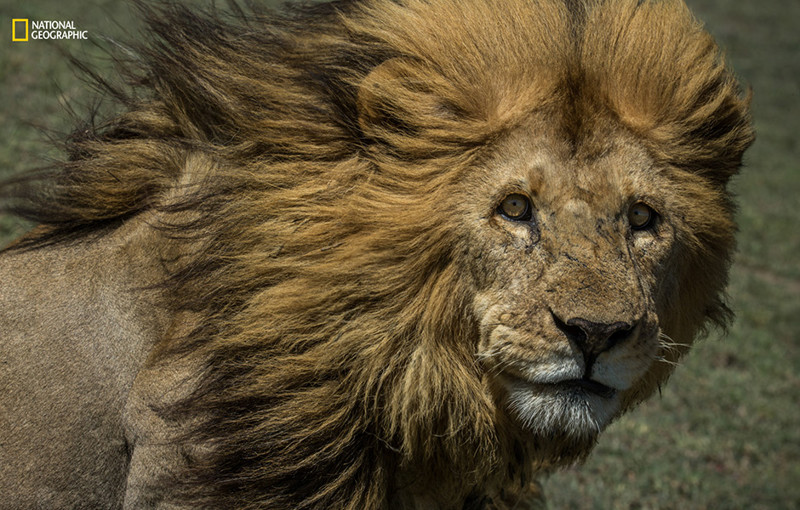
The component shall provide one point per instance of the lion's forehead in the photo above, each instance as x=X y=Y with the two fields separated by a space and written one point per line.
x=587 y=179
x=578 y=207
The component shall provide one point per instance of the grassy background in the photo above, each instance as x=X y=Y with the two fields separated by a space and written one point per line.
x=726 y=432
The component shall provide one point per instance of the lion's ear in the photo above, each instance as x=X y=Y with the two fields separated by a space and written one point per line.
x=401 y=97
x=414 y=109
x=375 y=106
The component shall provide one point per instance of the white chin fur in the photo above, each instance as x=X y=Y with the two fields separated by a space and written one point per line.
x=546 y=409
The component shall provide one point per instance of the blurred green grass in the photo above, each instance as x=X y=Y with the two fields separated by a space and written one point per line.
x=725 y=433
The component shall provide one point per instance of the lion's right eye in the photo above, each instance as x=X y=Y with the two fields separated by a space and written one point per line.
x=641 y=216
x=516 y=207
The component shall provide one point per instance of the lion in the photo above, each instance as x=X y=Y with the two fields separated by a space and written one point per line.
x=367 y=254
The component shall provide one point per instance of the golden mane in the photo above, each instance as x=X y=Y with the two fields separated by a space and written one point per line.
x=334 y=316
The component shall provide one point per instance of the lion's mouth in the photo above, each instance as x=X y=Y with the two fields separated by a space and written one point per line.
x=590 y=386
x=554 y=405
x=583 y=385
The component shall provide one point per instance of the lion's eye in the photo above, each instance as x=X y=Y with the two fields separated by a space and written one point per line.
x=641 y=216
x=516 y=207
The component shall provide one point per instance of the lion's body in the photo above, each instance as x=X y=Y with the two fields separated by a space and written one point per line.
x=369 y=255
x=79 y=329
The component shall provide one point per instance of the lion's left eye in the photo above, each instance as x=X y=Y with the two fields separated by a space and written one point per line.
x=516 y=207
x=641 y=216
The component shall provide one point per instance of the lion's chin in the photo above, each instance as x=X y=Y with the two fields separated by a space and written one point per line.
x=575 y=410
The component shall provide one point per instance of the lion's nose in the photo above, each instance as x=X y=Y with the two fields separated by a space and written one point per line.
x=593 y=338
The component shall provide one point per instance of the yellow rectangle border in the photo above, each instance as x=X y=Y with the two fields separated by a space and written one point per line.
x=14 y=30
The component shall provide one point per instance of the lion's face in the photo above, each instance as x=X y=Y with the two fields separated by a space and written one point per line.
x=571 y=251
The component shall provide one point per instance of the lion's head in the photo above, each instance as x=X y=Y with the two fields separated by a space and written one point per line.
x=580 y=260
x=432 y=245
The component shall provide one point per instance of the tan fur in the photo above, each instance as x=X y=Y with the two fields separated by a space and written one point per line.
x=325 y=307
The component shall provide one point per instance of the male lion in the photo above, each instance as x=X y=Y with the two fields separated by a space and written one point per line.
x=366 y=254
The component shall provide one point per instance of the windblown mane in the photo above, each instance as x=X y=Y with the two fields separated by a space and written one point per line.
x=313 y=152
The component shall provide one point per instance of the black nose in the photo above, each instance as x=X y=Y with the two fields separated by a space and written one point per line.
x=593 y=338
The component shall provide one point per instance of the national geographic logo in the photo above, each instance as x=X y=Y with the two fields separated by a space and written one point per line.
x=23 y=29
x=19 y=30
